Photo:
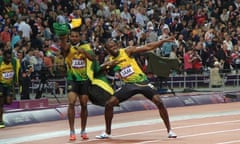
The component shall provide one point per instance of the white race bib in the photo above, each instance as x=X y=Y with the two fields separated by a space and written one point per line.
x=127 y=71
x=78 y=63
x=7 y=75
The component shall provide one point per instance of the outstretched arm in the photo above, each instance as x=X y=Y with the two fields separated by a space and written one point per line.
x=110 y=64
x=87 y=51
x=149 y=46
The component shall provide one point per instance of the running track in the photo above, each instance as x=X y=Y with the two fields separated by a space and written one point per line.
x=200 y=124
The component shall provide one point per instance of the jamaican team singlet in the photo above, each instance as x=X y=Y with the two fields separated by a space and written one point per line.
x=128 y=68
x=6 y=74
x=77 y=63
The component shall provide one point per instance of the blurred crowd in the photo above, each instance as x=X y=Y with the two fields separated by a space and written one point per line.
x=206 y=31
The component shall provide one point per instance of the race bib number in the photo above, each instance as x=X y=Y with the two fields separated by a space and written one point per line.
x=7 y=75
x=78 y=63
x=127 y=71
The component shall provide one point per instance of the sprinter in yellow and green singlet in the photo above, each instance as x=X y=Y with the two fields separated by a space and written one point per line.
x=136 y=82
x=85 y=80
x=77 y=55
x=9 y=70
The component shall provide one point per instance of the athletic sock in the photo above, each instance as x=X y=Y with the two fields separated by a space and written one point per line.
x=72 y=132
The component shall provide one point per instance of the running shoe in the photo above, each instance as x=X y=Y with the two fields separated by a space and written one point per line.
x=84 y=135
x=172 y=135
x=2 y=125
x=72 y=137
x=103 y=136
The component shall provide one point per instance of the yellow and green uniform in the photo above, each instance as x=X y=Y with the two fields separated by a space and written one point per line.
x=79 y=68
x=9 y=73
x=77 y=63
x=128 y=68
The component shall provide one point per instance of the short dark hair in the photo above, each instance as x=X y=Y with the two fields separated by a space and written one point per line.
x=78 y=29
x=7 y=51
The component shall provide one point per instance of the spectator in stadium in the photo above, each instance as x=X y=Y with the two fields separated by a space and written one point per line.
x=25 y=28
x=25 y=82
x=224 y=57
x=215 y=78
x=166 y=48
x=188 y=65
x=196 y=62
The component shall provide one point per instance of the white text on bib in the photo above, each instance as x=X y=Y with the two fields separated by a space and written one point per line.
x=78 y=63
x=127 y=71
x=7 y=75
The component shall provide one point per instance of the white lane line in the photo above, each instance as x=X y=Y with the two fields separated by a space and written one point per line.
x=123 y=125
x=181 y=127
x=231 y=142
x=195 y=135
x=210 y=133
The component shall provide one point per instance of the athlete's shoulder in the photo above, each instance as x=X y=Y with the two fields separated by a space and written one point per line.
x=72 y=49
x=85 y=46
x=127 y=51
x=122 y=50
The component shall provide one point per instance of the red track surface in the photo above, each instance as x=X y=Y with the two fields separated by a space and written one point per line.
x=204 y=124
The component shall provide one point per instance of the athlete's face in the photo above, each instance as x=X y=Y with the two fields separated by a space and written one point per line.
x=74 y=37
x=112 y=48
x=7 y=58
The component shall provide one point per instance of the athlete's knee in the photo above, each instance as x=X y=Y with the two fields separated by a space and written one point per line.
x=84 y=106
x=158 y=101
x=113 y=101
x=72 y=97
x=71 y=105
x=108 y=105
